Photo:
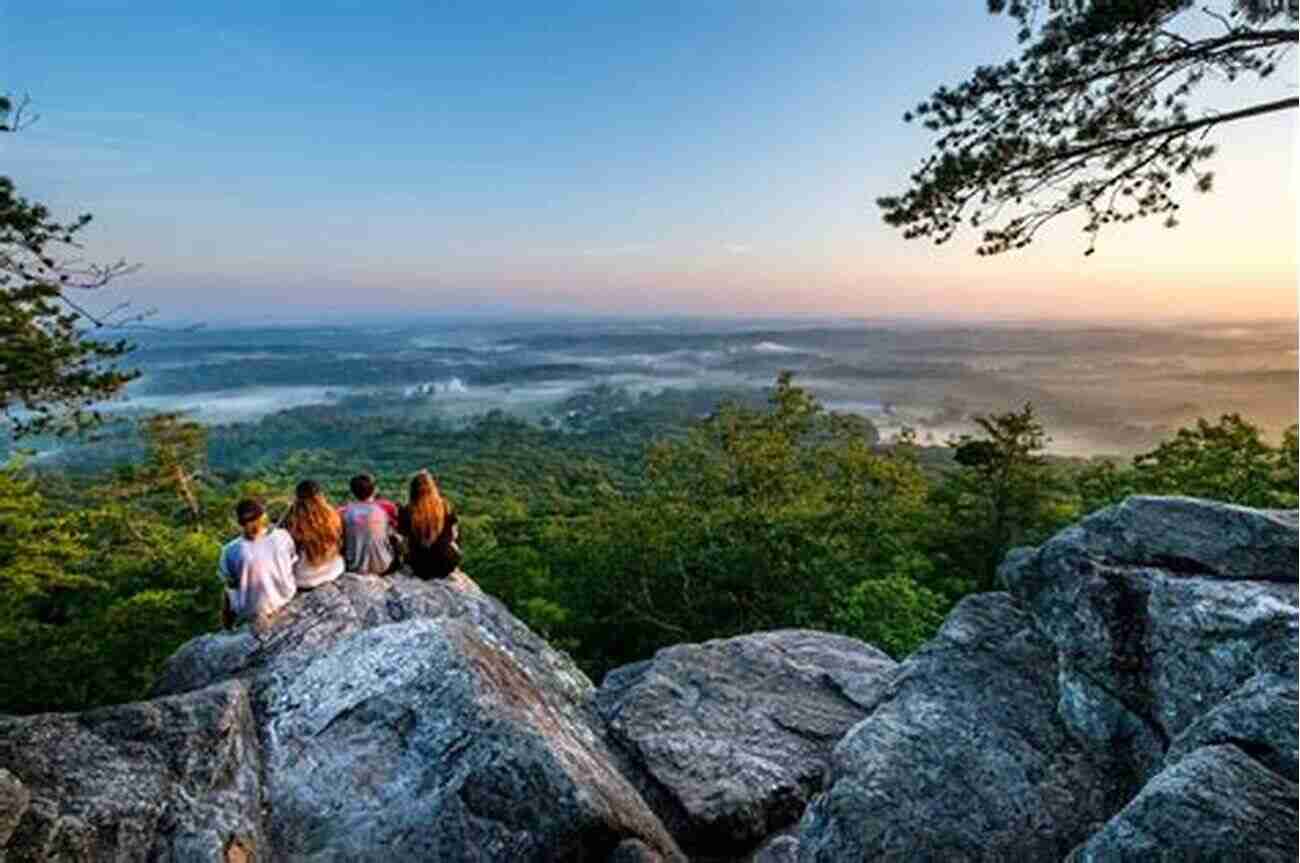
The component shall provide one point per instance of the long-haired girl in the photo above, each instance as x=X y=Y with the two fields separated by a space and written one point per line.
x=317 y=531
x=429 y=524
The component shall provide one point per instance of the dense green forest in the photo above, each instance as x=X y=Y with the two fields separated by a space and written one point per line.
x=636 y=522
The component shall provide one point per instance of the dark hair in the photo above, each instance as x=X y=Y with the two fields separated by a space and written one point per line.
x=248 y=510
x=306 y=489
x=362 y=485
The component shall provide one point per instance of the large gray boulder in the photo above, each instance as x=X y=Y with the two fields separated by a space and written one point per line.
x=173 y=779
x=1175 y=622
x=732 y=736
x=389 y=718
x=319 y=619
x=1217 y=803
x=1160 y=609
x=963 y=756
x=1259 y=718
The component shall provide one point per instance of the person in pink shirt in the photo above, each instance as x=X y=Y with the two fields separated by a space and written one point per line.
x=370 y=541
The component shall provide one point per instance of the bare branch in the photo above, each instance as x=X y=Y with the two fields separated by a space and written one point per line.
x=14 y=114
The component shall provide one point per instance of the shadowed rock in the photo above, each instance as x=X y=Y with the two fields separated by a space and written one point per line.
x=634 y=851
x=780 y=849
x=964 y=758
x=1159 y=609
x=1260 y=719
x=428 y=739
x=171 y=779
x=1216 y=803
x=733 y=735
x=1175 y=621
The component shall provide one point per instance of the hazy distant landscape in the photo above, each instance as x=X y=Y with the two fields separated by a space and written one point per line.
x=832 y=431
x=1098 y=389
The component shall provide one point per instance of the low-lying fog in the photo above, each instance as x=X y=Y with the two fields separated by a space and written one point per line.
x=1098 y=389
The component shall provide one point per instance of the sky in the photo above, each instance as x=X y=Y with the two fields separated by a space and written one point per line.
x=276 y=161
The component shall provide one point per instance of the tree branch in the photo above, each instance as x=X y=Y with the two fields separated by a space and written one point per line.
x=1163 y=132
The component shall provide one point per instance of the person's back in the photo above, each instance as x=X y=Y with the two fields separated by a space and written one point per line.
x=437 y=559
x=256 y=568
x=317 y=531
x=368 y=531
x=429 y=526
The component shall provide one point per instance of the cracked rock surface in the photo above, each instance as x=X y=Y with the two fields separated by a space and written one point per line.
x=732 y=736
x=1160 y=608
x=375 y=719
x=964 y=757
x=1132 y=698
x=175 y=778
x=1175 y=623
x=1217 y=803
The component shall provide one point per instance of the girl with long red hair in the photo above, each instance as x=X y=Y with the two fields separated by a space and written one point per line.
x=428 y=523
x=317 y=531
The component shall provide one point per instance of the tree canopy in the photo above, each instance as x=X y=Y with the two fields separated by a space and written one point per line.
x=1104 y=114
x=760 y=515
x=52 y=368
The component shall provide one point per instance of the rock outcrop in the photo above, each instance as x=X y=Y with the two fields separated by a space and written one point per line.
x=733 y=735
x=1175 y=624
x=374 y=718
x=1160 y=608
x=1133 y=696
x=1217 y=803
x=963 y=756
x=175 y=778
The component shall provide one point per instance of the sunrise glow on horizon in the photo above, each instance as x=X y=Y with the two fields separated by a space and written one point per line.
x=576 y=160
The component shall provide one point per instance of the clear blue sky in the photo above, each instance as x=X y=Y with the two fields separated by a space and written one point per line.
x=296 y=159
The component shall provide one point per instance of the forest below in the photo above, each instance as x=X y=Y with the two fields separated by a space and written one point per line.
x=636 y=522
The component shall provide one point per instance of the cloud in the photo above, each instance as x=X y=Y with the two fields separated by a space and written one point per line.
x=738 y=248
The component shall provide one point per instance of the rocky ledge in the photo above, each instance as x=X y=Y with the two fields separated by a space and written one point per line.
x=1131 y=696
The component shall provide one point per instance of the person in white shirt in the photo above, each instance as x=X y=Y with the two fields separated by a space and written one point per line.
x=317 y=531
x=256 y=569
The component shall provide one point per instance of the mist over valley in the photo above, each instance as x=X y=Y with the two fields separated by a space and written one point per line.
x=1099 y=390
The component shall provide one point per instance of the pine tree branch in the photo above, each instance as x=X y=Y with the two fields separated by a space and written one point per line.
x=1172 y=131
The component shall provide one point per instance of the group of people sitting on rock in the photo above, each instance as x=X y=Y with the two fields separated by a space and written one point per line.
x=317 y=542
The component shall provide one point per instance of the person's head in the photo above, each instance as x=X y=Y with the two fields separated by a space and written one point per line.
x=427 y=507
x=314 y=525
x=251 y=516
x=307 y=490
x=363 y=486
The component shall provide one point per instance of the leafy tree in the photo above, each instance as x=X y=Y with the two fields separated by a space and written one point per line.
x=51 y=368
x=1228 y=460
x=97 y=593
x=895 y=612
x=177 y=455
x=1288 y=469
x=38 y=548
x=754 y=519
x=1001 y=494
x=1094 y=117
